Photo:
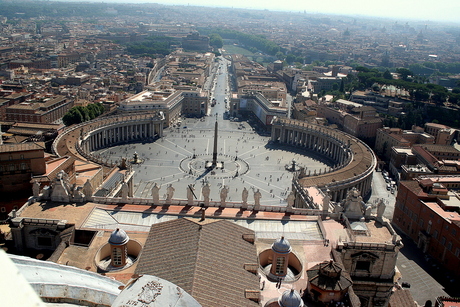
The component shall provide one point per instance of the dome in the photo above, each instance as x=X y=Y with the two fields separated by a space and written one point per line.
x=118 y=237
x=282 y=246
x=290 y=298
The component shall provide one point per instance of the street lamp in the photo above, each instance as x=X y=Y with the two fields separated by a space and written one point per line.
x=194 y=155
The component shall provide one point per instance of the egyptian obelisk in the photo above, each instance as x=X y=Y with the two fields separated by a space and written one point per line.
x=214 y=152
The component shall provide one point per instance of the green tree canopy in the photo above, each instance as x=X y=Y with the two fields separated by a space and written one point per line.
x=215 y=40
x=81 y=114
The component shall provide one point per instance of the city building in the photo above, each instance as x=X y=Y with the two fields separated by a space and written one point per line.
x=355 y=119
x=426 y=210
x=443 y=134
x=386 y=138
x=48 y=110
x=18 y=162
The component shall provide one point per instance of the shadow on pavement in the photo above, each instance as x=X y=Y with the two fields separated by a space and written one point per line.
x=429 y=265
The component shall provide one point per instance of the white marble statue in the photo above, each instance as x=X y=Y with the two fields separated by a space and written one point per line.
x=290 y=200
x=244 y=197
x=206 y=191
x=170 y=193
x=36 y=188
x=88 y=190
x=223 y=195
x=257 y=197
x=156 y=194
x=190 y=194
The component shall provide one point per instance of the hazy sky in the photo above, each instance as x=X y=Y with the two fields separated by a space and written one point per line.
x=434 y=10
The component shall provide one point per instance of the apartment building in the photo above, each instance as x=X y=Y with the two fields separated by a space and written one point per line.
x=43 y=111
x=426 y=210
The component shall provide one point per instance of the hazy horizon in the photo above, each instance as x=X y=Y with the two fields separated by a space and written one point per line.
x=422 y=10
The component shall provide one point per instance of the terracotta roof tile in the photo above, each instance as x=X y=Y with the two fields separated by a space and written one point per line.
x=206 y=259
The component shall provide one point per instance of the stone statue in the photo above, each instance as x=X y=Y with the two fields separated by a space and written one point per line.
x=257 y=197
x=244 y=197
x=353 y=205
x=367 y=210
x=302 y=172
x=170 y=193
x=381 y=208
x=36 y=188
x=124 y=192
x=78 y=195
x=206 y=191
x=59 y=190
x=123 y=164
x=223 y=195
x=46 y=192
x=190 y=194
x=156 y=194
x=88 y=190
x=64 y=180
x=326 y=201
x=290 y=200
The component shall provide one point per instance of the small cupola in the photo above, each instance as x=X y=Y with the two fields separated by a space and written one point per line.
x=281 y=246
x=280 y=260
x=291 y=298
x=119 y=246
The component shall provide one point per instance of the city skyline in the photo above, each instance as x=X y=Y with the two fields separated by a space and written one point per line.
x=421 y=10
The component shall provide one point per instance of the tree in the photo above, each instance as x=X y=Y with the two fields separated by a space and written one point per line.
x=290 y=58
x=81 y=114
x=387 y=75
x=216 y=41
x=405 y=73
x=280 y=56
x=342 y=86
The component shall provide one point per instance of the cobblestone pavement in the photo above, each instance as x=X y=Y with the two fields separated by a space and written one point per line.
x=248 y=161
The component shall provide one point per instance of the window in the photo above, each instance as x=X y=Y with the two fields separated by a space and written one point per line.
x=117 y=256
x=457 y=252
x=443 y=240
x=435 y=234
x=12 y=167
x=420 y=223
x=363 y=266
x=449 y=246
x=280 y=265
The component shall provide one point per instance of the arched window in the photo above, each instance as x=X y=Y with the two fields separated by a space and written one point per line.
x=117 y=256
x=280 y=265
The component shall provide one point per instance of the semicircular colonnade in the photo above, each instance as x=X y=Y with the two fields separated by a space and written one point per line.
x=354 y=161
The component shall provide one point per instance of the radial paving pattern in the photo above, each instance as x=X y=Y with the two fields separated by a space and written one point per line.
x=180 y=157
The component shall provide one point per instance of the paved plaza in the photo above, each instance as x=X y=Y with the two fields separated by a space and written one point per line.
x=246 y=159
